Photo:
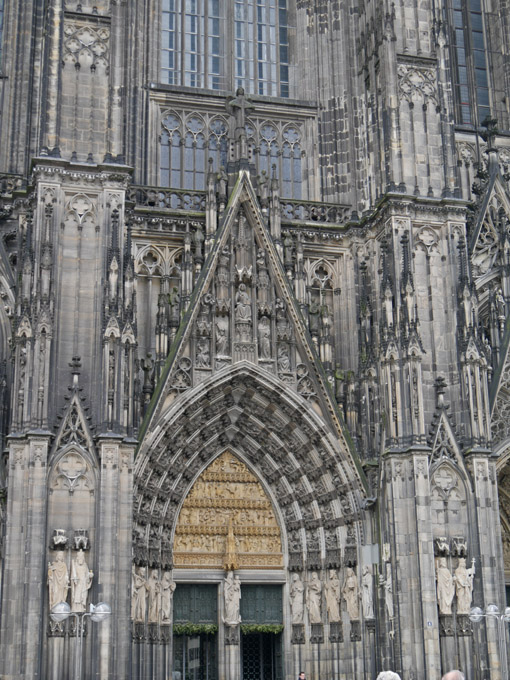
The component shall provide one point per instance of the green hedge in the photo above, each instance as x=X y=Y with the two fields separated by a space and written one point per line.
x=250 y=628
x=195 y=628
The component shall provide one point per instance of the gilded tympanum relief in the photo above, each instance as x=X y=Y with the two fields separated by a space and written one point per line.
x=227 y=521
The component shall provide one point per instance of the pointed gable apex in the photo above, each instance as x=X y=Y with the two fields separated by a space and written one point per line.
x=275 y=335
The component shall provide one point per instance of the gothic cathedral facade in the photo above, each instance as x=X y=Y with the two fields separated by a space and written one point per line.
x=254 y=338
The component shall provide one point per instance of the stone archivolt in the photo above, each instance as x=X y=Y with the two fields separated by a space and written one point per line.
x=227 y=493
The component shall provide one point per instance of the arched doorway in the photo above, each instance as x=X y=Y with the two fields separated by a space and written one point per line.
x=227 y=532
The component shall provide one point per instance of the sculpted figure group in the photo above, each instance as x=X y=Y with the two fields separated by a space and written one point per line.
x=59 y=582
x=459 y=584
x=334 y=593
x=151 y=597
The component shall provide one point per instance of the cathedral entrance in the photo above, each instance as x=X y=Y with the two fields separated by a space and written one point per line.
x=261 y=656
x=261 y=627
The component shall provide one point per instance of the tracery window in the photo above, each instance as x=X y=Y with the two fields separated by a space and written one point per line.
x=470 y=62
x=189 y=140
x=226 y=44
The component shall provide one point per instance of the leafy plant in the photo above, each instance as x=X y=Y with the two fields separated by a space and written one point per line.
x=195 y=628
x=251 y=628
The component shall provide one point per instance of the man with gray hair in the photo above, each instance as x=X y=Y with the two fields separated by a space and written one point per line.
x=453 y=675
x=388 y=675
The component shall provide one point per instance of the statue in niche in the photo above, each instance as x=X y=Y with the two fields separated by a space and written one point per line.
x=81 y=580
x=243 y=304
x=387 y=583
x=138 y=595
x=154 y=596
x=264 y=338
x=167 y=591
x=232 y=596
x=231 y=559
x=297 y=591
x=350 y=594
x=203 y=355
x=445 y=587
x=313 y=599
x=367 y=593
x=58 y=580
x=113 y=278
x=221 y=335
x=463 y=579
x=222 y=179
x=283 y=358
x=332 y=592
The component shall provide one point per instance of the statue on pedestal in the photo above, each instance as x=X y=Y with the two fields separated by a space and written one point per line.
x=313 y=599
x=167 y=590
x=81 y=580
x=350 y=593
x=58 y=580
x=367 y=594
x=297 y=591
x=463 y=580
x=138 y=595
x=332 y=592
x=232 y=596
x=445 y=587
x=154 y=596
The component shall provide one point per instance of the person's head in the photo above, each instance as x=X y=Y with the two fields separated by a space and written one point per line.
x=302 y=675
x=388 y=675
x=453 y=675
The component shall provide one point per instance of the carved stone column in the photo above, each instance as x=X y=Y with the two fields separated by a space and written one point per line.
x=114 y=554
x=21 y=628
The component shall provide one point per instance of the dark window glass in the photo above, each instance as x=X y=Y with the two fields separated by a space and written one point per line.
x=472 y=80
x=194 y=31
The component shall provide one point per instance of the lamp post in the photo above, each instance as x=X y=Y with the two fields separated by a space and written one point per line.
x=62 y=611
x=492 y=612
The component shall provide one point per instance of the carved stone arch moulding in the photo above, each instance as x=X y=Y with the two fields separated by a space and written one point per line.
x=503 y=469
x=283 y=443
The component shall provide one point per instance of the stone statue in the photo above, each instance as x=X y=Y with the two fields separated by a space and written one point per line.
x=138 y=595
x=313 y=599
x=332 y=592
x=154 y=596
x=283 y=358
x=243 y=304
x=367 y=593
x=231 y=560
x=297 y=592
x=463 y=580
x=58 y=580
x=445 y=587
x=350 y=594
x=388 y=591
x=167 y=590
x=221 y=335
x=264 y=338
x=203 y=355
x=81 y=580
x=232 y=594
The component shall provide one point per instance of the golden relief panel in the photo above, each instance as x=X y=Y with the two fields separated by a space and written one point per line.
x=227 y=521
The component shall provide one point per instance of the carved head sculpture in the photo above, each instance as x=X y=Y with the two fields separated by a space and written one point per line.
x=332 y=574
